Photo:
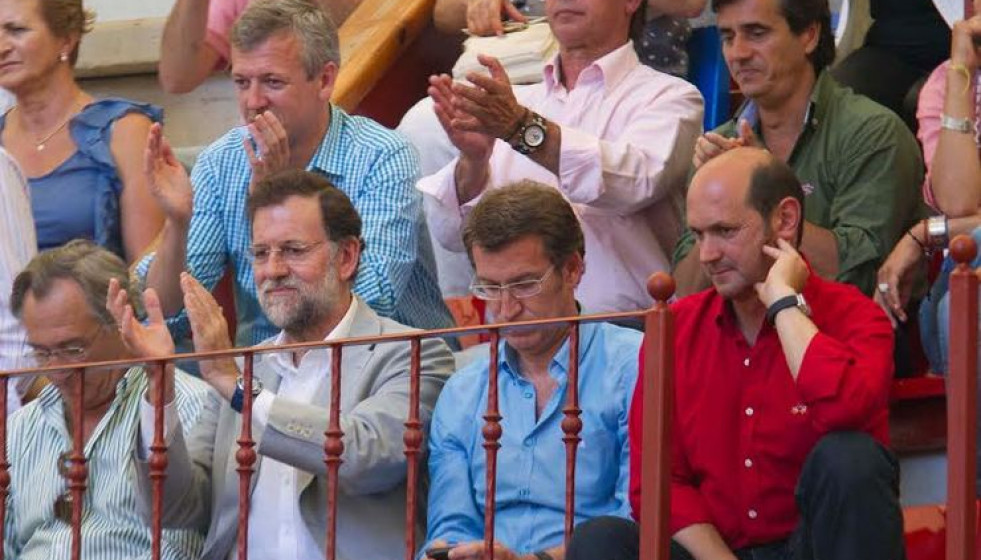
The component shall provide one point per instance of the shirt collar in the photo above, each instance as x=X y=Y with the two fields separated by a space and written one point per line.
x=821 y=97
x=609 y=70
x=559 y=365
x=284 y=360
x=330 y=156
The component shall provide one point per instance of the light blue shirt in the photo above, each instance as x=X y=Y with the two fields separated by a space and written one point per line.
x=377 y=169
x=530 y=509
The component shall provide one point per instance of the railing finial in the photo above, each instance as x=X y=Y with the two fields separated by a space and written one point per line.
x=661 y=286
x=963 y=249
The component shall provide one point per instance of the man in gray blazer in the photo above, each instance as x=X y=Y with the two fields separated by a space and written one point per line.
x=306 y=251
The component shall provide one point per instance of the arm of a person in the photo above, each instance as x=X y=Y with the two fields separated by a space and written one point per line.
x=704 y=542
x=843 y=376
x=374 y=458
x=676 y=8
x=141 y=215
x=453 y=513
x=954 y=166
x=391 y=210
x=186 y=58
x=636 y=167
x=198 y=247
x=450 y=16
x=876 y=198
x=689 y=276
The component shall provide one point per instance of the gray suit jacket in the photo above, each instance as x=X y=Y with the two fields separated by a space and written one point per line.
x=201 y=488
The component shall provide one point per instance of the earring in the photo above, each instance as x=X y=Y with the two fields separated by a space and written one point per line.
x=63 y=57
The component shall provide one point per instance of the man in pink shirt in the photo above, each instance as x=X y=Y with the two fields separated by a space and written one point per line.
x=609 y=133
x=195 y=38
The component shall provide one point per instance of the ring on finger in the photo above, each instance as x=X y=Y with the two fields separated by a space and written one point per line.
x=884 y=287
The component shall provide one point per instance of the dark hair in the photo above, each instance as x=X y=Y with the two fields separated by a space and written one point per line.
x=80 y=261
x=799 y=15
x=769 y=184
x=510 y=213
x=340 y=218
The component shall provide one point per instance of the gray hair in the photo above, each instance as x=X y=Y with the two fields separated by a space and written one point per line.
x=82 y=262
x=304 y=19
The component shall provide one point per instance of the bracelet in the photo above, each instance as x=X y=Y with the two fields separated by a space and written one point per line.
x=923 y=247
x=961 y=69
x=517 y=127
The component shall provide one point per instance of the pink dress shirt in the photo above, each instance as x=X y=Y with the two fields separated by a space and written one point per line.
x=628 y=133
x=928 y=111
x=221 y=16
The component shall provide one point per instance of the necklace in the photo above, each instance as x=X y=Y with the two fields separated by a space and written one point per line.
x=39 y=145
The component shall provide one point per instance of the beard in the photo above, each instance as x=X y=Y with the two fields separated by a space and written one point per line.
x=302 y=310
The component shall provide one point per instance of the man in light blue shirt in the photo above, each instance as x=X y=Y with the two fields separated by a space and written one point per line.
x=527 y=248
x=284 y=64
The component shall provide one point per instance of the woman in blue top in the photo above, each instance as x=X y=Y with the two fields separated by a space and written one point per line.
x=83 y=158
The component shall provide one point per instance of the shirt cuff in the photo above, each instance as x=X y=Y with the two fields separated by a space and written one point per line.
x=261 y=407
x=822 y=370
x=147 y=418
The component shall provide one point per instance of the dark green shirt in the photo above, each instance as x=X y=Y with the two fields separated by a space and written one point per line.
x=861 y=169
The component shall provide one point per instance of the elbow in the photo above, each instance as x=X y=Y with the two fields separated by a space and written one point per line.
x=174 y=82
x=958 y=206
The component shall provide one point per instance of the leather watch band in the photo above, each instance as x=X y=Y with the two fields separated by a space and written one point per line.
x=785 y=302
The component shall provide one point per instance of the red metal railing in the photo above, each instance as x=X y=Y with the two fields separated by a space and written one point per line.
x=962 y=405
x=657 y=374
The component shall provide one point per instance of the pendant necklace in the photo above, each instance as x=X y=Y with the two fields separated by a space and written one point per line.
x=39 y=145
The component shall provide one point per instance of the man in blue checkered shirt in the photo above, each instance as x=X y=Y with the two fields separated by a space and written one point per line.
x=284 y=62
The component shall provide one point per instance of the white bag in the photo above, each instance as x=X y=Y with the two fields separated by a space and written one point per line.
x=523 y=53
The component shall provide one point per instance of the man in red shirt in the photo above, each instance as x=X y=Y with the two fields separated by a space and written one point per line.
x=781 y=391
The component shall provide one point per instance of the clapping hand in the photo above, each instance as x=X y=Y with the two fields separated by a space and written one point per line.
x=166 y=177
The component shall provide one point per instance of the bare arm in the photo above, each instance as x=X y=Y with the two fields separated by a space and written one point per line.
x=185 y=58
x=450 y=16
x=478 y=17
x=141 y=216
x=704 y=542
x=677 y=8
x=821 y=248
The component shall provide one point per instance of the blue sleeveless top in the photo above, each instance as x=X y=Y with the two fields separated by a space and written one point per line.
x=80 y=197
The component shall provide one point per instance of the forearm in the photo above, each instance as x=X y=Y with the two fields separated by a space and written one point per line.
x=704 y=542
x=168 y=262
x=796 y=331
x=549 y=153
x=821 y=248
x=182 y=43
x=956 y=170
x=470 y=176
x=676 y=8
x=340 y=10
x=450 y=16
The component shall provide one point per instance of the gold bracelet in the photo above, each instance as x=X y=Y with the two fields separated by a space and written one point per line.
x=961 y=69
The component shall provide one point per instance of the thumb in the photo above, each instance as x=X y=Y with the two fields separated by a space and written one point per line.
x=747 y=135
x=512 y=12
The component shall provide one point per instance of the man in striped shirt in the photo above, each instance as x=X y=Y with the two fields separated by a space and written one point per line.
x=284 y=63
x=61 y=299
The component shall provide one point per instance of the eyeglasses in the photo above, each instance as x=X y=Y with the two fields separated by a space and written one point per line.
x=520 y=290
x=291 y=252
x=72 y=353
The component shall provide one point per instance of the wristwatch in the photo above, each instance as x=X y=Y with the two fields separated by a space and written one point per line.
x=796 y=300
x=938 y=233
x=963 y=125
x=238 y=397
x=531 y=135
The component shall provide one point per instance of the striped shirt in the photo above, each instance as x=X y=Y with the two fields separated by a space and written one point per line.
x=17 y=245
x=112 y=525
x=377 y=169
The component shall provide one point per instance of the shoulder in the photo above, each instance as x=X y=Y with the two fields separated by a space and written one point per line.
x=363 y=133
x=694 y=304
x=464 y=389
x=615 y=344
x=103 y=112
x=852 y=113
x=224 y=156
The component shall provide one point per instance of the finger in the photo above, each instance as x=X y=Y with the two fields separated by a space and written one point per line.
x=886 y=309
x=152 y=149
x=468 y=124
x=498 y=76
x=465 y=92
x=444 y=118
x=785 y=245
x=772 y=251
x=719 y=141
x=127 y=323
x=151 y=303
x=746 y=133
x=167 y=152
x=513 y=13
x=249 y=152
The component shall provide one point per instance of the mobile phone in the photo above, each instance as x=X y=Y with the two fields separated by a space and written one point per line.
x=439 y=552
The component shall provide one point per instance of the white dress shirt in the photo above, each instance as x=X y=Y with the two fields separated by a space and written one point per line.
x=628 y=133
x=18 y=245
x=276 y=529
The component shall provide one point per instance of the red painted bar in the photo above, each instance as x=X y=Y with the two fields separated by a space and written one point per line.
x=413 y=444
x=78 y=473
x=492 y=436
x=962 y=403
x=571 y=427
x=4 y=465
x=158 y=460
x=658 y=375
x=333 y=448
x=246 y=458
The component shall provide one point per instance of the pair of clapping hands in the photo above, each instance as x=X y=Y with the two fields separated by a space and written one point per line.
x=152 y=339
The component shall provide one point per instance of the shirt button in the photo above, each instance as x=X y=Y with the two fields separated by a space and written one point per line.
x=751 y=513
x=749 y=411
x=746 y=362
x=528 y=394
x=529 y=442
x=748 y=463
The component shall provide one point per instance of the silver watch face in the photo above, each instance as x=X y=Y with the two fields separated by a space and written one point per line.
x=534 y=135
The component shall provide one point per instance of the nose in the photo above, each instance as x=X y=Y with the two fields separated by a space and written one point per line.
x=275 y=266
x=255 y=98
x=508 y=307
x=737 y=48
x=708 y=250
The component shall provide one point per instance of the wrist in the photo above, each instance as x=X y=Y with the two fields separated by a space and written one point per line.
x=470 y=176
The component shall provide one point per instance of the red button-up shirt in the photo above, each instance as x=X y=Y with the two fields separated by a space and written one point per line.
x=743 y=426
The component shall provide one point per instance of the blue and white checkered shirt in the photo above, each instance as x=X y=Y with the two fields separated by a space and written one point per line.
x=377 y=169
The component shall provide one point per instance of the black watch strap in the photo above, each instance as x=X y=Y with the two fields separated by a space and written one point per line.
x=238 y=400
x=785 y=302
x=542 y=555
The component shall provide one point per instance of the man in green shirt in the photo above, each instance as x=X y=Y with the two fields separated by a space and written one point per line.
x=859 y=164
